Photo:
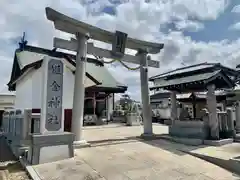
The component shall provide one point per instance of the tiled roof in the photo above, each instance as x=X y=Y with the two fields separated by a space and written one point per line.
x=193 y=78
x=102 y=75
x=183 y=70
x=195 y=68
x=95 y=69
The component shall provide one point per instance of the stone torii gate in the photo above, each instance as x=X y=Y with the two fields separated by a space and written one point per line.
x=119 y=41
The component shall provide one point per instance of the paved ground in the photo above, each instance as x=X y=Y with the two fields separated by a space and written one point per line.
x=225 y=152
x=117 y=155
x=227 y=156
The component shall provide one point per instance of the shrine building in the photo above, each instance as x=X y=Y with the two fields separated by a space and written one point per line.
x=26 y=81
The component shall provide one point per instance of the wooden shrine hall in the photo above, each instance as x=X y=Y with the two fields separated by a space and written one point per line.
x=197 y=78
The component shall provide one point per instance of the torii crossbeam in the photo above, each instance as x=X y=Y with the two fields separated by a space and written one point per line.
x=85 y=31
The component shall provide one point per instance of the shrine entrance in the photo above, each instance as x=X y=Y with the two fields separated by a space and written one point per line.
x=120 y=42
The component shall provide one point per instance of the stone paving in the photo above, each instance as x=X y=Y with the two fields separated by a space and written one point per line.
x=116 y=154
x=224 y=152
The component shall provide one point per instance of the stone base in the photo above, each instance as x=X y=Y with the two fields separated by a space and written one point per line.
x=47 y=148
x=81 y=144
x=237 y=138
x=148 y=136
x=188 y=129
x=218 y=142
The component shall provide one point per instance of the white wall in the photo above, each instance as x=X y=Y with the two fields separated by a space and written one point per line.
x=6 y=101
x=28 y=89
x=9 y=99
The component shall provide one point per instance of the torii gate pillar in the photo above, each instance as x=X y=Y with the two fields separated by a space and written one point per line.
x=120 y=41
x=146 y=109
x=79 y=89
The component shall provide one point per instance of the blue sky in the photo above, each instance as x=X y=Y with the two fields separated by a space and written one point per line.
x=216 y=30
x=193 y=31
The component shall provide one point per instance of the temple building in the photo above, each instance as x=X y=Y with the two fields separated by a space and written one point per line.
x=204 y=86
x=26 y=81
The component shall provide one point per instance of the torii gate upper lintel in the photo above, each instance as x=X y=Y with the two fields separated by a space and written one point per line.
x=97 y=33
x=80 y=45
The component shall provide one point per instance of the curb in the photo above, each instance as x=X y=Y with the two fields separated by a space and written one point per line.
x=29 y=169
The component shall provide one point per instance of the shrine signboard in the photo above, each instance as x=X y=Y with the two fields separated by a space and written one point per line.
x=119 y=44
x=54 y=95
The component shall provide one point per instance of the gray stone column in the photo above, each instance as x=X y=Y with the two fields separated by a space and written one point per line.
x=230 y=125
x=26 y=124
x=237 y=111
x=174 y=113
x=212 y=109
x=109 y=106
x=147 y=115
x=79 y=90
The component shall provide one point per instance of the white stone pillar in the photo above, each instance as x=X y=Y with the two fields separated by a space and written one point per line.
x=79 y=89
x=212 y=109
x=174 y=113
x=109 y=106
x=237 y=111
x=27 y=117
x=146 y=109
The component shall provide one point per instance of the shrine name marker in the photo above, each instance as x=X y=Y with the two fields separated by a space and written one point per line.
x=54 y=95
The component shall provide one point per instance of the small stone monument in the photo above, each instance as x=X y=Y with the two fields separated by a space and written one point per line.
x=133 y=117
x=52 y=143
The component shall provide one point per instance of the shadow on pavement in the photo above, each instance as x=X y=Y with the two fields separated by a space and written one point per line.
x=170 y=146
x=113 y=141
x=173 y=147
x=6 y=155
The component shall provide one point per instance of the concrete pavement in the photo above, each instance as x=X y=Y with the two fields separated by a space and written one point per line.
x=226 y=156
x=116 y=154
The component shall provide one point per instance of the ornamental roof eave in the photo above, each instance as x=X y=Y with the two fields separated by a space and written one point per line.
x=197 y=82
x=197 y=68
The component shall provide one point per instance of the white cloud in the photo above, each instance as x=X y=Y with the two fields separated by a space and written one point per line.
x=140 y=20
x=236 y=9
x=235 y=26
x=189 y=25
